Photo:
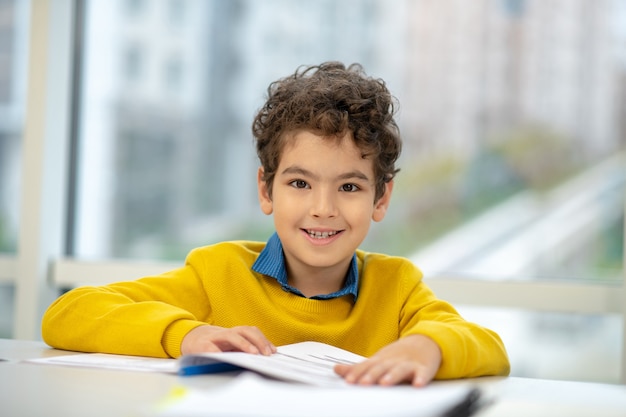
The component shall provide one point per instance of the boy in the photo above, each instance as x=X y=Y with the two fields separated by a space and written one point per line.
x=328 y=143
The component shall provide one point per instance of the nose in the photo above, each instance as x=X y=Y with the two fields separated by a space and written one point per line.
x=324 y=204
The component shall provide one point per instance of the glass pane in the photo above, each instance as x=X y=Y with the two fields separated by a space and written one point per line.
x=575 y=347
x=13 y=71
x=510 y=112
x=14 y=19
x=516 y=170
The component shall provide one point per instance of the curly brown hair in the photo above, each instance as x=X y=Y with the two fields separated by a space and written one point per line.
x=330 y=100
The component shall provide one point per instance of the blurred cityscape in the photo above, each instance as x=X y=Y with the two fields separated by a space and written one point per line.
x=495 y=99
x=513 y=114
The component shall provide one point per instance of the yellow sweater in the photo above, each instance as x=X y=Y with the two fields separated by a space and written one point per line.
x=150 y=316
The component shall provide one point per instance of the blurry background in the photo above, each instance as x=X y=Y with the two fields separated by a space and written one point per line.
x=513 y=114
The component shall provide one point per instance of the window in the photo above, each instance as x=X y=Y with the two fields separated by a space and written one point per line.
x=176 y=12
x=134 y=8
x=13 y=64
x=173 y=74
x=133 y=62
x=13 y=61
x=493 y=119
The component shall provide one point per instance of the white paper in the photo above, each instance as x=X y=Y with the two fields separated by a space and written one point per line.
x=108 y=361
x=306 y=362
x=251 y=395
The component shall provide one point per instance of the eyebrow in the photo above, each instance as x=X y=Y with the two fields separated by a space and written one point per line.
x=356 y=174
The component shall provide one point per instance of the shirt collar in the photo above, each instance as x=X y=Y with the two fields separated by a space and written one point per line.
x=271 y=262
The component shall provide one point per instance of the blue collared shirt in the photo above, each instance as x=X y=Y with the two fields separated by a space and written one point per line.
x=271 y=262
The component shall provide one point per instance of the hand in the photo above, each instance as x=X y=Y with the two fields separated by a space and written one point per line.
x=207 y=338
x=414 y=359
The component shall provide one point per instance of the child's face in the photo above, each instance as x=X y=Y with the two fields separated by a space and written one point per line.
x=322 y=200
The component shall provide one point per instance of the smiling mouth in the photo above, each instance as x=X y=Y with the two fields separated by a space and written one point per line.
x=322 y=235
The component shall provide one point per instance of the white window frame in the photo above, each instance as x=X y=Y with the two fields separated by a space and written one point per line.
x=38 y=270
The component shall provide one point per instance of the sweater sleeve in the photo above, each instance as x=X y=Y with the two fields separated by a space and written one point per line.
x=147 y=317
x=468 y=349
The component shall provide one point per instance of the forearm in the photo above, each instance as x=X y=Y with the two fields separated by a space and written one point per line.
x=468 y=350
x=94 y=319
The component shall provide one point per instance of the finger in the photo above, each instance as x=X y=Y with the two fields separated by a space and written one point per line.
x=406 y=372
x=383 y=373
x=234 y=341
x=420 y=380
x=208 y=346
x=399 y=374
x=365 y=373
x=257 y=339
x=350 y=373
x=423 y=376
x=342 y=370
x=374 y=373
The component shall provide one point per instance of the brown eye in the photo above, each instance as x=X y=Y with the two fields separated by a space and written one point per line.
x=349 y=188
x=299 y=184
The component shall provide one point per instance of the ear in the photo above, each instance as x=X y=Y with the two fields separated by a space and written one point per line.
x=380 y=207
x=264 y=196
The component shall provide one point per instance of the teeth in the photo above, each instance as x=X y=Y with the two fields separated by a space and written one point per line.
x=320 y=235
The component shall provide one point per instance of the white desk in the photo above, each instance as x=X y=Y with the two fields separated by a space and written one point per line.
x=28 y=390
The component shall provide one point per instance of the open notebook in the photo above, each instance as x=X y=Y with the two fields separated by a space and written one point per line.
x=305 y=362
x=315 y=389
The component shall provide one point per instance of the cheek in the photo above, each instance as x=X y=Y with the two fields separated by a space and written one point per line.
x=285 y=207
x=361 y=214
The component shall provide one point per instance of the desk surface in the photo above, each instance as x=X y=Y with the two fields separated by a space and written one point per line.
x=29 y=389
